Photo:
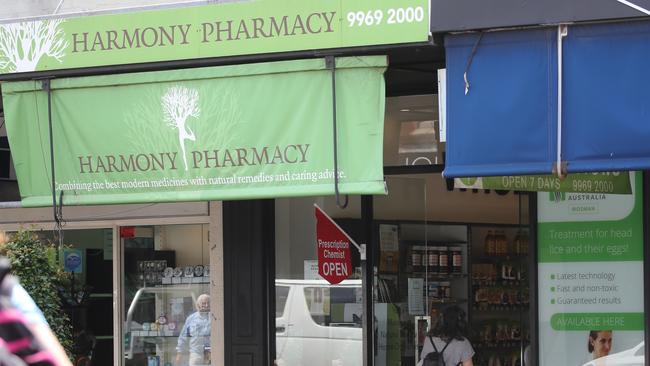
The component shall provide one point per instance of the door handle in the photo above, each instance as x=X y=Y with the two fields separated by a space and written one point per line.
x=280 y=329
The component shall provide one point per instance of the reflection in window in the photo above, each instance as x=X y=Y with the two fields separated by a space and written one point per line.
x=281 y=295
x=410 y=131
x=166 y=295
x=335 y=306
x=316 y=324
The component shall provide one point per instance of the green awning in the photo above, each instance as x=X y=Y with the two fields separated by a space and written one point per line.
x=221 y=133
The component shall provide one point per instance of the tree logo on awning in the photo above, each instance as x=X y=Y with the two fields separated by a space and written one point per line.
x=22 y=45
x=180 y=103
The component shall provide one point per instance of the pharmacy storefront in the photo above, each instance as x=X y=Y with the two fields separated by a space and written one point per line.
x=184 y=150
x=160 y=138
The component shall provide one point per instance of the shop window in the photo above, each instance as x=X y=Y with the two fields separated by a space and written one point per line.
x=411 y=131
x=281 y=295
x=316 y=323
x=336 y=306
x=441 y=252
x=166 y=295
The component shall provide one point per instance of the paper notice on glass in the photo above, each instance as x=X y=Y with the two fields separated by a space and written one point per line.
x=311 y=270
x=416 y=296
x=388 y=238
x=389 y=249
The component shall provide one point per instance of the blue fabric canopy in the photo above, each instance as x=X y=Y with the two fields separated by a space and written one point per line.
x=507 y=123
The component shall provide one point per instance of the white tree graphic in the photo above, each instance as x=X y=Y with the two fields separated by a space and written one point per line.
x=22 y=45
x=180 y=103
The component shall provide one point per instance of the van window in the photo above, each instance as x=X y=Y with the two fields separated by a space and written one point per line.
x=335 y=306
x=281 y=294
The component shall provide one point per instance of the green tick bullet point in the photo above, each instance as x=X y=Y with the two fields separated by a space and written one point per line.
x=552 y=277
x=552 y=289
x=553 y=301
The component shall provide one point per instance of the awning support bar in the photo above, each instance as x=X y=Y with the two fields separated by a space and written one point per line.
x=57 y=209
x=560 y=169
x=330 y=63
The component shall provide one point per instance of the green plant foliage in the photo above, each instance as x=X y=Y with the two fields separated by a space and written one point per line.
x=41 y=277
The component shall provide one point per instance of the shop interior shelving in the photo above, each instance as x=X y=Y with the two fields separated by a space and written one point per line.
x=499 y=294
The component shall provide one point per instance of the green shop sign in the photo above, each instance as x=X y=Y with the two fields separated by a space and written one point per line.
x=591 y=321
x=232 y=132
x=236 y=28
x=610 y=183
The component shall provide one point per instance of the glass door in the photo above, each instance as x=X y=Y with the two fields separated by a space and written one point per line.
x=165 y=295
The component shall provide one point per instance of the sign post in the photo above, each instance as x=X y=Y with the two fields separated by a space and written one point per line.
x=335 y=262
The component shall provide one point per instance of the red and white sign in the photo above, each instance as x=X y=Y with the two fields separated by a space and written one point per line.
x=333 y=244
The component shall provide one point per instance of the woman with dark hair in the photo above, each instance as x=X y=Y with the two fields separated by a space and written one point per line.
x=447 y=337
x=599 y=343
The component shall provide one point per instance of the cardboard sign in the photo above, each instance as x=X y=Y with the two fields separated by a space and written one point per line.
x=333 y=245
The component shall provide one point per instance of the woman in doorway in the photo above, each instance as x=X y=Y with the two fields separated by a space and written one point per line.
x=599 y=343
x=447 y=337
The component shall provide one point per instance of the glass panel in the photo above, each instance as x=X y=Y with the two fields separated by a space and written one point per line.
x=405 y=295
x=281 y=295
x=500 y=312
x=317 y=324
x=410 y=131
x=166 y=295
x=590 y=276
x=435 y=264
x=88 y=292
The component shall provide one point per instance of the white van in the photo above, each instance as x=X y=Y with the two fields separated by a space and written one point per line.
x=318 y=324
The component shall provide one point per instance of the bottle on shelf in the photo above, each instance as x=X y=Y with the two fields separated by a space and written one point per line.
x=501 y=243
x=490 y=243
x=456 y=259
x=433 y=259
x=524 y=243
x=517 y=250
x=416 y=258
x=443 y=260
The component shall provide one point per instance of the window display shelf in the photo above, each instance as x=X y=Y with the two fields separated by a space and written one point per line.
x=519 y=258
x=438 y=276
x=434 y=243
x=499 y=308
x=452 y=301
x=500 y=283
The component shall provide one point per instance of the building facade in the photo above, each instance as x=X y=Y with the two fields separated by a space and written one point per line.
x=412 y=89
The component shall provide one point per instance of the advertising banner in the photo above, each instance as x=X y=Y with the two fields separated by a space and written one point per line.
x=215 y=30
x=222 y=133
x=610 y=182
x=591 y=277
x=333 y=247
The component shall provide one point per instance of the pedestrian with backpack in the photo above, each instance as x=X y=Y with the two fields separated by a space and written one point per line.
x=446 y=344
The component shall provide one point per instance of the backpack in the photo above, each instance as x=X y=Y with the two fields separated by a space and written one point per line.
x=435 y=358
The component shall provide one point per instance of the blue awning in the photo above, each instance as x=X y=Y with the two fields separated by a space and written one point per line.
x=507 y=123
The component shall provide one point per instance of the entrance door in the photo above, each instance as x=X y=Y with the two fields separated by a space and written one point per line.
x=89 y=293
x=166 y=295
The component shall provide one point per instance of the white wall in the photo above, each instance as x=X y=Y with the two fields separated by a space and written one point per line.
x=13 y=10
x=190 y=242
